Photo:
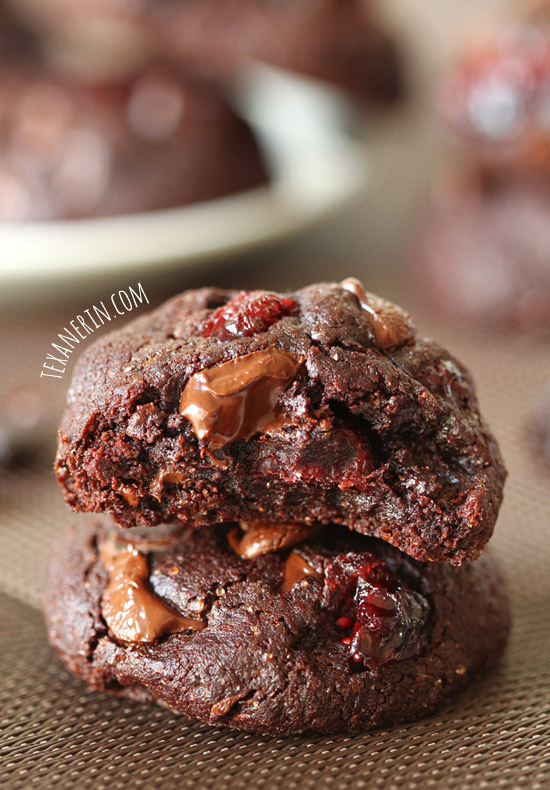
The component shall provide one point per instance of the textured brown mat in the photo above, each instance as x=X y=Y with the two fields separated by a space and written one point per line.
x=55 y=733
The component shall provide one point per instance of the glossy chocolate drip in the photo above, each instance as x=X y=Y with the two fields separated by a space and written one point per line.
x=237 y=399
x=295 y=569
x=130 y=608
x=390 y=325
x=262 y=538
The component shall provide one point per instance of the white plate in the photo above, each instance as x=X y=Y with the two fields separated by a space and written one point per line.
x=317 y=167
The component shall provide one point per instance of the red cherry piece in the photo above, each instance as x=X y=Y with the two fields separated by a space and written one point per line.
x=247 y=314
x=387 y=615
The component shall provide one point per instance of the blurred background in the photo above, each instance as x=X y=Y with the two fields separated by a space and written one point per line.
x=98 y=111
x=159 y=146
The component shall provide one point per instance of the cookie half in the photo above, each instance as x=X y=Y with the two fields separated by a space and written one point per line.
x=339 y=632
x=315 y=406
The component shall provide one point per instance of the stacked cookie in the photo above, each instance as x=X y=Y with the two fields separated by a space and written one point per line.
x=484 y=246
x=301 y=487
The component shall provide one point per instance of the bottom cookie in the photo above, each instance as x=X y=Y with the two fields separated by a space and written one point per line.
x=339 y=632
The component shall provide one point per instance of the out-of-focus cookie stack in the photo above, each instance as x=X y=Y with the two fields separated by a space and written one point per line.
x=112 y=108
x=484 y=247
x=300 y=490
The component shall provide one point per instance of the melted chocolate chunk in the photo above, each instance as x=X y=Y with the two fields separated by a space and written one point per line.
x=260 y=538
x=391 y=326
x=237 y=399
x=295 y=569
x=130 y=608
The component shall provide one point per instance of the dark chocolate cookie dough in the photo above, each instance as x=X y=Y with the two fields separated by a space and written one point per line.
x=321 y=405
x=337 y=633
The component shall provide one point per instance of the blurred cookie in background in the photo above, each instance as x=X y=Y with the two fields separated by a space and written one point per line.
x=334 y=41
x=497 y=100
x=483 y=250
x=339 y=42
x=94 y=39
x=73 y=150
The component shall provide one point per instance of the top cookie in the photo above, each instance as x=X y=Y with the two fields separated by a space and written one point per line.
x=320 y=405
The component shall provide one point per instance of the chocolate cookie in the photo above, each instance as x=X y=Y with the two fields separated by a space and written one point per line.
x=337 y=633
x=483 y=247
x=69 y=151
x=320 y=405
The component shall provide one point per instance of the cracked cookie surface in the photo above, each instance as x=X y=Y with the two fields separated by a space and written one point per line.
x=315 y=406
x=340 y=632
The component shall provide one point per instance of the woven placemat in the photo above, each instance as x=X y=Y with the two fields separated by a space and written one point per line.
x=56 y=733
